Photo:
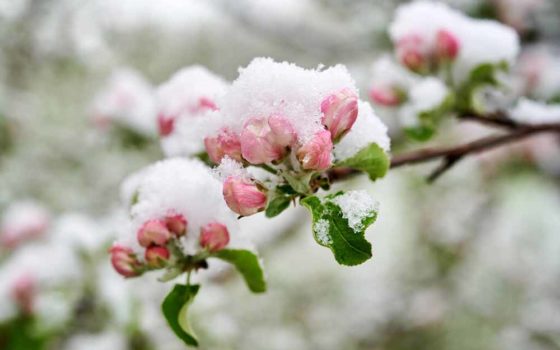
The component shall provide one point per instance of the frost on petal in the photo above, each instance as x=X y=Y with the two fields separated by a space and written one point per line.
x=367 y=129
x=356 y=206
x=534 y=112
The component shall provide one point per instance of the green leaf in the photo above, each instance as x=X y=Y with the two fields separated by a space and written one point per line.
x=277 y=203
x=331 y=229
x=371 y=159
x=175 y=308
x=482 y=75
x=248 y=264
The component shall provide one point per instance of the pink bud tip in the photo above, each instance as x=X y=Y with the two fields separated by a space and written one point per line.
x=265 y=140
x=340 y=111
x=225 y=144
x=166 y=124
x=316 y=154
x=177 y=224
x=242 y=196
x=447 y=45
x=124 y=261
x=214 y=236
x=23 y=292
x=205 y=103
x=156 y=256
x=153 y=232
x=385 y=96
x=411 y=51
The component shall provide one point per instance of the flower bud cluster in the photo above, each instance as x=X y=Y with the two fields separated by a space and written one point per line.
x=22 y=221
x=178 y=219
x=126 y=101
x=430 y=36
x=183 y=103
x=285 y=119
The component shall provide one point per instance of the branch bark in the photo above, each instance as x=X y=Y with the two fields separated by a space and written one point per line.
x=452 y=155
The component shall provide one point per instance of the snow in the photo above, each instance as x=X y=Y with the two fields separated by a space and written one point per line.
x=356 y=206
x=266 y=88
x=179 y=98
x=481 y=41
x=186 y=187
x=21 y=220
x=322 y=232
x=534 y=112
x=367 y=129
x=230 y=167
x=127 y=100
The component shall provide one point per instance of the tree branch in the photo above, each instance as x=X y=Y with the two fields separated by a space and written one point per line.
x=452 y=155
x=499 y=120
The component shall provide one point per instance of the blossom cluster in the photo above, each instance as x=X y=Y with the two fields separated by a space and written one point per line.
x=127 y=102
x=293 y=122
x=444 y=61
x=178 y=219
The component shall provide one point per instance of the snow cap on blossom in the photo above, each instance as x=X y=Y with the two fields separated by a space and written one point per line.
x=127 y=100
x=538 y=68
x=426 y=95
x=183 y=102
x=389 y=82
x=266 y=88
x=367 y=129
x=417 y=27
x=179 y=187
x=22 y=221
x=440 y=32
x=46 y=267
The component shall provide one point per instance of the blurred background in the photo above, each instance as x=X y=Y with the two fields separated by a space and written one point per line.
x=470 y=262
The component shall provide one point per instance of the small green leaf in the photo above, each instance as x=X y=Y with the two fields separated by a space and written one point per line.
x=248 y=264
x=175 y=308
x=277 y=204
x=371 y=159
x=331 y=229
x=482 y=75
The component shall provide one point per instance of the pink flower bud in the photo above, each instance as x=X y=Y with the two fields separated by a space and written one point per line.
x=225 y=144
x=214 y=236
x=447 y=45
x=340 y=111
x=316 y=154
x=177 y=224
x=283 y=132
x=411 y=52
x=266 y=140
x=242 y=196
x=23 y=292
x=166 y=124
x=156 y=256
x=153 y=232
x=385 y=96
x=124 y=261
x=205 y=103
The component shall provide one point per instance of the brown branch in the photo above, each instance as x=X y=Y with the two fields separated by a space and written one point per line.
x=499 y=120
x=452 y=155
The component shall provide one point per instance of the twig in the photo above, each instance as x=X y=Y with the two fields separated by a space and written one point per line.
x=499 y=120
x=451 y=155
